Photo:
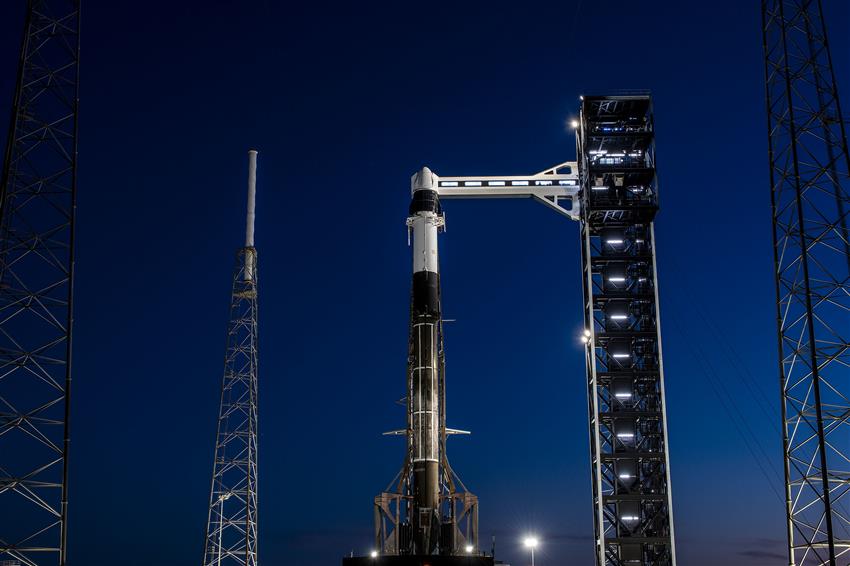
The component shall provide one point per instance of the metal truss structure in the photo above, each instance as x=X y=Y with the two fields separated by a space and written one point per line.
x=458 y=509
x=810 y=197
x=231 y=535
x=612 y=192
x=628 y=433
x=37 y=207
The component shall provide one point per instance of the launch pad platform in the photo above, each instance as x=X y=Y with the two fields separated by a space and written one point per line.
x=413 y=560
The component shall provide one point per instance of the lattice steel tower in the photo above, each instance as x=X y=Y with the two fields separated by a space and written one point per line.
x=231 y=536
x=37 y=203
x=628 y=432
x=810 y=197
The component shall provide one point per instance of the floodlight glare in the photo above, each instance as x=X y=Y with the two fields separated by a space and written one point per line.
x=574 y=123
x=469 y=548
x=374 y=554
x=531 y=543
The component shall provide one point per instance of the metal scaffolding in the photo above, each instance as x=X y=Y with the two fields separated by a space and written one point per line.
x=36 y=287
x=231 y=535
x=809 y=168
x=628 y=432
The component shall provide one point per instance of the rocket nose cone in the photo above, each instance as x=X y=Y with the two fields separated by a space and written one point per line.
x=422 y=180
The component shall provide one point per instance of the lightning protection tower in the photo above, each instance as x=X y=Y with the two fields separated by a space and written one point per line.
x=810 y=197
x=231 y=536
x=37 y=200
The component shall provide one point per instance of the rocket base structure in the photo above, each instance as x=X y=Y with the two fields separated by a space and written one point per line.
x=420 y=561
x=611 y=190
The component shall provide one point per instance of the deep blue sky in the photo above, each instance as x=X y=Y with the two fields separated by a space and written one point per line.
x=344 y=103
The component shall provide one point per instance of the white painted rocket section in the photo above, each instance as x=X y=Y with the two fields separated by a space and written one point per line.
x=423 y=179
x=425 y=226
x=425 y=229
x=250 y=252
x=252 y=198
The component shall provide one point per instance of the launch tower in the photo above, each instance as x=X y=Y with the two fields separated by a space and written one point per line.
x=612 y=191
x=629 y=458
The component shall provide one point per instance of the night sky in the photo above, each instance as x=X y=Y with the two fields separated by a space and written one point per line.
x=345 y=102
